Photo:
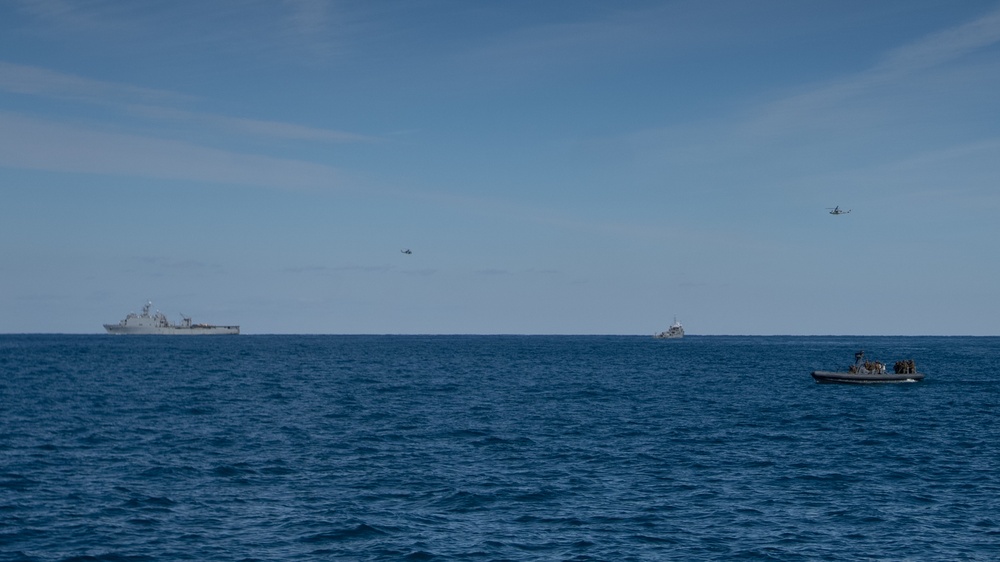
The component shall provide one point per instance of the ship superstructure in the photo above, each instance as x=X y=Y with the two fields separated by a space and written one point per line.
x=675 y=331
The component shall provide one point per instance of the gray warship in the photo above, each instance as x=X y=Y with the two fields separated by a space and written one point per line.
x=157 y=324
x=675 y=331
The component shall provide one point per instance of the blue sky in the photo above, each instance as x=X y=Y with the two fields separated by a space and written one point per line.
x=565 y=167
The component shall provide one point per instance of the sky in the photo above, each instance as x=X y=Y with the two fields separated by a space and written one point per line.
x=558 y=167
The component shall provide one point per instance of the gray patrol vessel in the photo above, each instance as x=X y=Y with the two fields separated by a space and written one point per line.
x=157 y=324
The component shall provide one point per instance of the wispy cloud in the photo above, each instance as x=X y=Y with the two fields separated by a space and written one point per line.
x=426 y=272
x=895 y=66
x=149 y=263
x=66 y=14
x=889 y=110
x=963 y=174
x=490 y=272
x=33 y=80
x=296 y=32
x=154 y=104
x=256 y=127
x=362 y=268
x=47 y=145
x=308 y=17
x=599 y=32
x=564 y=43
x=943 y=46
x=306 y=269
x=317 y=269
x=309 y=25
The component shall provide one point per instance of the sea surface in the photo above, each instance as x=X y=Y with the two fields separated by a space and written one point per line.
x=127 y=448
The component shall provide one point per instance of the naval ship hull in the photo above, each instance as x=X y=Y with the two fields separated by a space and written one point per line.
x=150 y=324
x=173 y=330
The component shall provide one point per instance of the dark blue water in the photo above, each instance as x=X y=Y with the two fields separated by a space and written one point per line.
x=494 y=448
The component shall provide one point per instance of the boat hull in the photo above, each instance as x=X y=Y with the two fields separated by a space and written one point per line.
x=870 y=378
x=150 y=324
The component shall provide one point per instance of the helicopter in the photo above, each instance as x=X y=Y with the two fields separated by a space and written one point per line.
x=838 y=211
x=406 y=251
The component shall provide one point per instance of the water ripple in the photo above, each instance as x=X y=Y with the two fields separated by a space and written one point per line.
x=493 y=448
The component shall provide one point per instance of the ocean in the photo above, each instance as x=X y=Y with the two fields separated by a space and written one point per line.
x=129 y=448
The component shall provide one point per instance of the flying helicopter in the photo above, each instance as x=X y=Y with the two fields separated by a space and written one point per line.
x=838 y=211
x=406 y=251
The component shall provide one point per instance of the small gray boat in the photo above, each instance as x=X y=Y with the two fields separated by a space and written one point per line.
x=675 y=331
x=871 y=372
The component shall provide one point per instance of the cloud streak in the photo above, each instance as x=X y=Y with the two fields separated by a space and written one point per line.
x=256 y=127
x=848 y=121
x=154 y=104
x=46 y=145
x=897 y=65
x=31 y=80
x=295 y=31
x=943 y=46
